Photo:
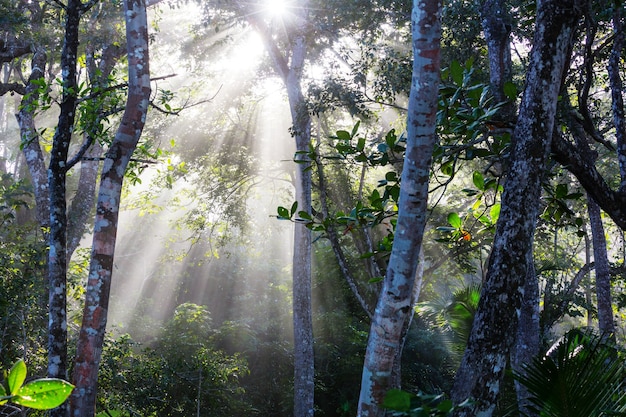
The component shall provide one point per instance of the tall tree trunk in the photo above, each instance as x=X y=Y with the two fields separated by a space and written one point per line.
x=603 y=274
x=495 y=324
x=394 y=308
x=57 y=171
x=615 y=81
x=30 y=140
x=289 y=68
x=91 y=337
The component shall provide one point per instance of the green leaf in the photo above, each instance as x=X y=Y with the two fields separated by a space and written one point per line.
x=479 y=180
x=456 y=72
x=397 y=400
x=355 y=128
x=283 y=213
x=294 y=207
x=510 y=90
x=3 y=393
x=560 y=191
x=343 y=135
x=360 y=144
x=43 y=394
x=17 y=376
x=304 y=215
x=454 y=220
x=494 y=213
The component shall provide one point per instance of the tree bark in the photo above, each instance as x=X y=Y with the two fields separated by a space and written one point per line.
x=290 y=68
x=394 y=308
x=30 y=139
x=495 y=324
x=527 y=342
x=91 y=337
x=57 y=172
x=603 y=273
x=617 y=100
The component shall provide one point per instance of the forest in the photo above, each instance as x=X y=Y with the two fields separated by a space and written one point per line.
x=312 y=208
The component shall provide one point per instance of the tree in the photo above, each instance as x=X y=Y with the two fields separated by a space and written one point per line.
x=495 y=325
x=91 y=337
x=398 y=295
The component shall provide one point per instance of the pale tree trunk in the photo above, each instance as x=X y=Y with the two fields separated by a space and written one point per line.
x=495 y=325
x=289 y=67
x=603 y=274
x=394 y=308
x=31 y=148
x=91 y=337
x=89 y=155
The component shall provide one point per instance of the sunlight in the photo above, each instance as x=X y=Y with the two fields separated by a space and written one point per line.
x=276 y=8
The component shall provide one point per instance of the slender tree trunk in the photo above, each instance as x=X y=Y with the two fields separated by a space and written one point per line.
x=394 y=308
x=30 y=140
x=617 y=100
x=495 y=324
x=603 y=275
x=57 y=171
x=91 y=337
x=289 y=68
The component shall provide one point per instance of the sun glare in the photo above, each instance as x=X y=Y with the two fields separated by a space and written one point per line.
x=276 y=8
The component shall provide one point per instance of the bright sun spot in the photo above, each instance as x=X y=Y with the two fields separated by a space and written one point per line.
x=276 y=8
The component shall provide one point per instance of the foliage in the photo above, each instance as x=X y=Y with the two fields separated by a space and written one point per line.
x=581 y=375
x=40 y=394
x=180 y=372
x=22 y=260
x=402 y=403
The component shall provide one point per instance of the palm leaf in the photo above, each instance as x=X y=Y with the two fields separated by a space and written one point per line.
x=580 y=376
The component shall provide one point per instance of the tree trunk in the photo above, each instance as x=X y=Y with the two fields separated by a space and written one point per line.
x=396 y=299
x=603 y=274
x=290 y=68
x=30 y=141
x=57 y=171
x=528 y=340
x=91 y=337
x=617 y=100
x=495 y=324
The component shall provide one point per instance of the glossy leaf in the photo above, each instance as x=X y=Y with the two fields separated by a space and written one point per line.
x=454 y=220
x=16 y=377
x=43 y=394
x=479 y=180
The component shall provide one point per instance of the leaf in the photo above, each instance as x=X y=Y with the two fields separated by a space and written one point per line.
x=456 y=72
x=361 y=144
x=454 y=220
x=479 y=180
x=43 y=394
x=510 y=90
x=283 y=213
x=355 y=128
x=3 y=393
x=494 y=213
x=397 y=400
x=294 y=207
x=343 y=135
x=560 y=191
x=17 y=376
x=304 y=215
